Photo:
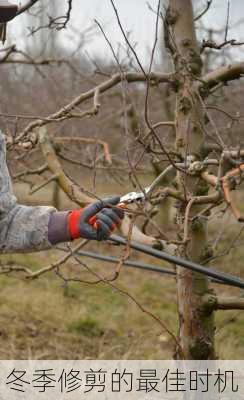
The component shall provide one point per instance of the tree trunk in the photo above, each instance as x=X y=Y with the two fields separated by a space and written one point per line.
x=196 y=324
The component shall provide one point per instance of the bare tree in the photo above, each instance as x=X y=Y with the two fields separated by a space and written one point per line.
x=196 y=165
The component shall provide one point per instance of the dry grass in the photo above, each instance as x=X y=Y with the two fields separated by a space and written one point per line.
x=43 y=319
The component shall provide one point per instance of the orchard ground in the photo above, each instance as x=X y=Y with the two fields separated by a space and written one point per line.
x=47 y=319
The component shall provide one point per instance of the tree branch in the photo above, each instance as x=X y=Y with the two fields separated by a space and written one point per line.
x=229 y=303
x=72 y=190
x=224 y=74
x=103 y=87
x=138 y=236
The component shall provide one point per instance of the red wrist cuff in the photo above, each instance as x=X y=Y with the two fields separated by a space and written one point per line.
x=74 y=223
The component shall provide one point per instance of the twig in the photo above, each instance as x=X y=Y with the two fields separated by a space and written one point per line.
x=139 y=305
x=126 y=252
x=208 y=5
x=58 y=263
x=227 y=21
x=105 y=145
x=43 y=184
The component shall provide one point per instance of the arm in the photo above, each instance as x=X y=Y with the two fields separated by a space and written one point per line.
x=24 y=228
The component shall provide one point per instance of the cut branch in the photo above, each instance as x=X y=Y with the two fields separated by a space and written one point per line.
x=229 y=303
x=138 y=236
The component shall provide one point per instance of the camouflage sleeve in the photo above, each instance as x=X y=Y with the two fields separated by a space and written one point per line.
x=22 y=228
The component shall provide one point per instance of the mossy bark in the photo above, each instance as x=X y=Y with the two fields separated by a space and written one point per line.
x=196 y=323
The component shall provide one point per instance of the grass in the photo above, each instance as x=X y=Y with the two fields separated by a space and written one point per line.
x=86 y=326
x=48 y=319
x=45 y=319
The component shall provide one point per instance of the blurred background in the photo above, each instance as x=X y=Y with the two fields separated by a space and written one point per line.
x=135 y=16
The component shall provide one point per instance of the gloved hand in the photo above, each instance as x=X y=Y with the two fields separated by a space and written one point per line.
x=105 y=221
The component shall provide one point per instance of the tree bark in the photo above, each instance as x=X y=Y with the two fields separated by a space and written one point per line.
x=196 y=323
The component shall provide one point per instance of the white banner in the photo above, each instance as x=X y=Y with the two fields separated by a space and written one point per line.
x=136 y=380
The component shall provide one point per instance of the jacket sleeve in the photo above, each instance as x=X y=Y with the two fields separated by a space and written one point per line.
x=22 y=228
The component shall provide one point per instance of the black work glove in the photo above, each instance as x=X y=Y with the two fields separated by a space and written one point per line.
x=104 y=219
